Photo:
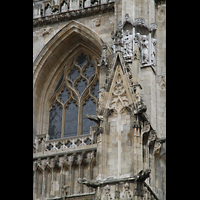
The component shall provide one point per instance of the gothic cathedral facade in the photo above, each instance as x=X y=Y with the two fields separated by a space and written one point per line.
x=99 y=99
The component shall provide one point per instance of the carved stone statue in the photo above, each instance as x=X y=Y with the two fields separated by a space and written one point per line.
x=64 y=7
x=55 y=2
x=142 y=175
x=137 y=39
x=141 y=107
x=153 y=50
x=117 y=38
x=89 y=183
x=145 y=46
x=128 y=45
x=48 y=10
x=74 y=4
x=64 y=190
x=96 y=119
x=104 y=57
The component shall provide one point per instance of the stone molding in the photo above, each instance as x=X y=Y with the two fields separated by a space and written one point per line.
x=66 y=157
x=92 y=147
x=73 y=14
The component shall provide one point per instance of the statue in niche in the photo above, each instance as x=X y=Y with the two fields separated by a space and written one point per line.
x=55 y=2
x=94 y=2
x=128 y=45
x=64 y=7
x=74 y=4
x=48 y=10
x=104 y=57
x=144 y=44
x=86 y=3
x=137 y=39
x=117 y=36
x=153 y=52
x=64 y=190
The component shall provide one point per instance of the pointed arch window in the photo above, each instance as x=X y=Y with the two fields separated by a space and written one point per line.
x=75 y=95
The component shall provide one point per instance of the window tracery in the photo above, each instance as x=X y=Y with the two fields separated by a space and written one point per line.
x=75 y=95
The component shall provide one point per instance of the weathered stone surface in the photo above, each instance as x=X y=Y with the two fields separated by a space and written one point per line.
x=123 y=156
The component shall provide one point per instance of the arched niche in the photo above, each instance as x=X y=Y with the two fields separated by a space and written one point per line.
x=48 y=66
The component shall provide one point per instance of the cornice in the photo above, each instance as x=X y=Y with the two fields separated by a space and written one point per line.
x=73 y=14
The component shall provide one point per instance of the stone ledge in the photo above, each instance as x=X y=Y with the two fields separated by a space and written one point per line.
x=73 y=14
x=74 y=195
x=149 y=65
x=67 y=151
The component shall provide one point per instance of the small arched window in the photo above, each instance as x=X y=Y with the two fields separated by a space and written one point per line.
x=75 y=95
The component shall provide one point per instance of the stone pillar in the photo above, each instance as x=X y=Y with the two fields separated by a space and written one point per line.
x=152 y=167
x=61 y=179
x=70 y=179
x=150 y=47
x=52 y=189
x=102 y=149
x=119 y=145
x=136 y=63
x=79 y=161
x=138 y=190
x=118 y=12
x=70 y=162
x=135 y=146
x=128 y=7
x=43 y=185
x=34 y=184
x=103 y=66
x=89 y=159
x=148 y=82
x=117 y=192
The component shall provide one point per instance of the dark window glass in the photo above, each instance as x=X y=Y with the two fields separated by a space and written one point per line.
x=71 y=120
x=77 y=80
x=64 y=96
x=95 y=90
x=81 y=85
x=89 y=71
x=74 y=73
x=88 y=108
x=55 y=122
x=82 y=60
x=68 y=144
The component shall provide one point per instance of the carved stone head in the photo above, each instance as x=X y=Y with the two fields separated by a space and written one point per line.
x=107 y=189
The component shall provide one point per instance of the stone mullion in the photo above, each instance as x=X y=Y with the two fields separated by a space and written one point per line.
x=70 y=163
x=80 y=119
x=79 y=161
x=140 y=148
x=63 y=122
